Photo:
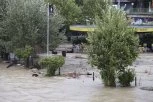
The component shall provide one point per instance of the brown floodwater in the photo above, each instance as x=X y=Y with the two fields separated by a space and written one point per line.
x=17 y=85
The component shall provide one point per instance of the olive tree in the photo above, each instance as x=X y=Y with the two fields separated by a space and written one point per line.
x=57 y=34
x=26 y=24
x=113 y=45
x=4 y=41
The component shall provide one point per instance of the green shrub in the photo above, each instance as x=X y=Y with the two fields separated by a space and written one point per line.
x=24 y=52
x=126 y=77
x=52 y=64
x=18 y=53
x=27 y=51
x=108 y=77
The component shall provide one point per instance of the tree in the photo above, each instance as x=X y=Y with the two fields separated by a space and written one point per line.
x=3 y=38
x=68 y=9
x=3 y=4
x=113 y=45
x=92 y=8
x=79 y=2
x=56 y=32
x=26 y=24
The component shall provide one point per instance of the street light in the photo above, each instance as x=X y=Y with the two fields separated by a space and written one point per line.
x=47 y=29
x=149 y=6
x=132 y=6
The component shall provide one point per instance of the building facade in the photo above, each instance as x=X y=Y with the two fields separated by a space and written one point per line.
x=140 y=15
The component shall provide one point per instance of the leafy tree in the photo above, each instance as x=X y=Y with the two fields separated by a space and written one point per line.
x=4 y=42
x=113 y=45
x=26 y=24
x=92 y=8
x=56 y=32
x=79 y=2
x=3 y=4
x=68 y=9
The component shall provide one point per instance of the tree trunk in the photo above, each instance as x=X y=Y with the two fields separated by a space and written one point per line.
x=27 y=62
x=108 y=78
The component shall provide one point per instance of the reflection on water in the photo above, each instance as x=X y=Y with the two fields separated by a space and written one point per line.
x=17 y=85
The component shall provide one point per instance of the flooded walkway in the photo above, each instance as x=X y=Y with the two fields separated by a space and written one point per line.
x=17 y=85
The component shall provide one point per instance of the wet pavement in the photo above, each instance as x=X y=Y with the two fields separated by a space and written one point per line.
x=17 y=84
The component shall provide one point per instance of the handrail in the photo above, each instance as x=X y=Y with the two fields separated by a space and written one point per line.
x=140 y=11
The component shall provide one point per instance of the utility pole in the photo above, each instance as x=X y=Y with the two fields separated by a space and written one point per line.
x=47 y=29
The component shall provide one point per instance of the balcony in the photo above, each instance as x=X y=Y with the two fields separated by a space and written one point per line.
x=140 y=11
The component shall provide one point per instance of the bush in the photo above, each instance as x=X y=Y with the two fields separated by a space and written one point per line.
x=126 y=77
x=52 y=64
x=24 y=52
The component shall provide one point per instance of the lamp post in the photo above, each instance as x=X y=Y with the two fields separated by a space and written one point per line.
x=47 y=29
x=149 y=6
x=132 y=6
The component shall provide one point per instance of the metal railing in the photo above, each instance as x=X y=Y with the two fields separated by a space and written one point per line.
x=143 y=24
x=140 y=11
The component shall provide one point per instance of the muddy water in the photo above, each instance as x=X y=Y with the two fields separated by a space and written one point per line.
x=17 y=85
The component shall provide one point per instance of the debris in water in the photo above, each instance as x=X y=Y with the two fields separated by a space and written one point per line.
x=147 y=88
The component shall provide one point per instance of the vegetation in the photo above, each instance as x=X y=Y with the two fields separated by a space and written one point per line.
x=78 y=11
x=113 y=46
x=57 y=34
x=93 y=8
x=23 y=23
x=126 y=76
x=3 y=38
x=24 y=53
x=68 y=9
x=52 y=64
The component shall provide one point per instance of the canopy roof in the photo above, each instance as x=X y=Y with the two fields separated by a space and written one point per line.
x=90 y=28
